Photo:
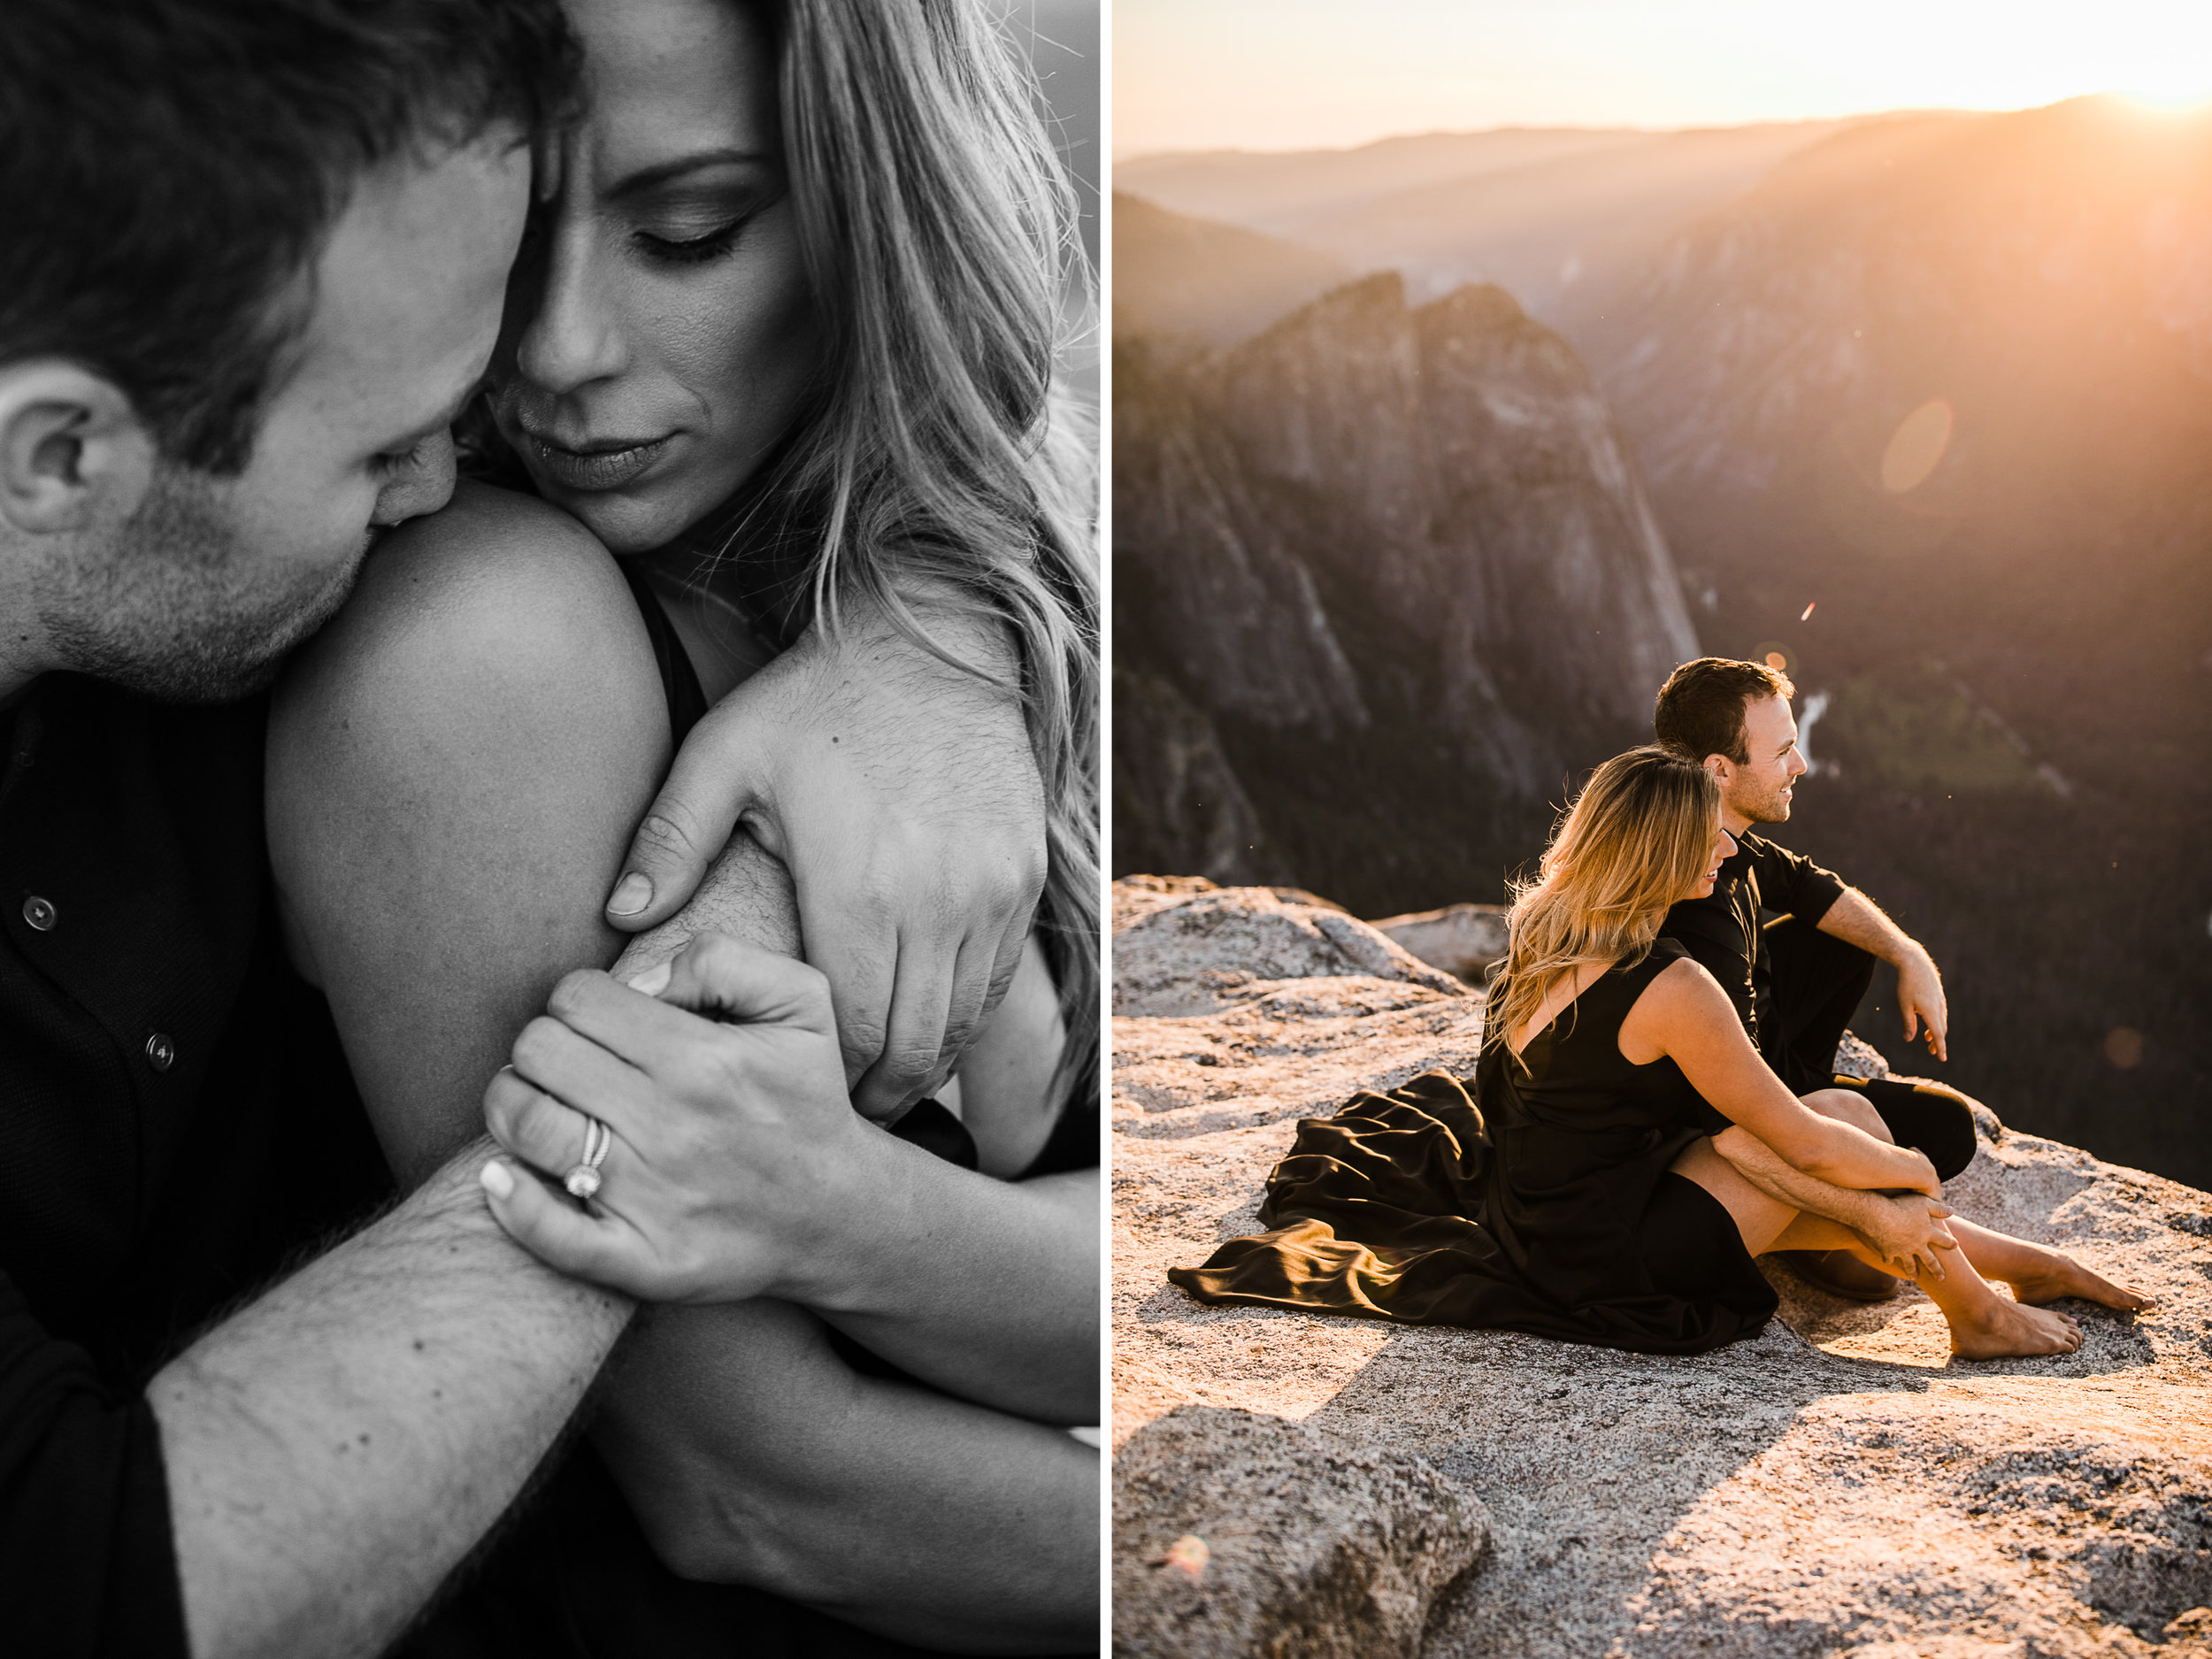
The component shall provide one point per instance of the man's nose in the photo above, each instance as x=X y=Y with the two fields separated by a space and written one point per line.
x=423 y=484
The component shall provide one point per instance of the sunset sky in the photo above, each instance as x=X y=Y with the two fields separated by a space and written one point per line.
x=1281 y=74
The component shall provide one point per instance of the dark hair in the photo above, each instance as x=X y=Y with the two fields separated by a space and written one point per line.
x=1700 y=708
x=168 y=168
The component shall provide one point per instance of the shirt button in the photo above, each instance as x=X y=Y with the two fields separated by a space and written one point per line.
x=40 y=913
x=161 y=1053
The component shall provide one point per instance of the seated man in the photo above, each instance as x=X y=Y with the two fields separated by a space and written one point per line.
x=1796 y=978
x=256 y=260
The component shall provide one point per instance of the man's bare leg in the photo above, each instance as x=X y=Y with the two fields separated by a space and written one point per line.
x=2036 y=1272
x=1984 y=1325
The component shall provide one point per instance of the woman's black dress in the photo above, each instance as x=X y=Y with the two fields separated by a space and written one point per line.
x=1547 y=1208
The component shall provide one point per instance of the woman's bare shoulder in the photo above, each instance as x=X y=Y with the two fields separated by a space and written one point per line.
x=1683 y=990
x=489 y=649
x=492 y=571
x=496 y=605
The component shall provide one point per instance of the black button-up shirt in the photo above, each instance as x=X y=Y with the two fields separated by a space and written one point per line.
x=174 y=1124
x=1721 y=931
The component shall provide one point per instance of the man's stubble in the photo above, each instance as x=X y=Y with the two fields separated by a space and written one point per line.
x=175 y=607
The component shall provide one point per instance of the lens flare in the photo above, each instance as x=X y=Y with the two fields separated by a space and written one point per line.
x=1916 y=446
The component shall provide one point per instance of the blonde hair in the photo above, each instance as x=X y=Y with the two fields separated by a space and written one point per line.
x=939 y=229
x=1635 y=840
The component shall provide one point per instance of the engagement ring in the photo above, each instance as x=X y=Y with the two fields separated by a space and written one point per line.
x=583 y=1180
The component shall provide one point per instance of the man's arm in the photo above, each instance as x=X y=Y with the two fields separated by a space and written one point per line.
x=901 y=793
x=334 y=1449
x=1904 y=1231
x=1857 y=920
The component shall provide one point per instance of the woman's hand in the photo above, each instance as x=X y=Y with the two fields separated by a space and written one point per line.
x=902 y=793
x=734 y=1149
x=1906 y=1230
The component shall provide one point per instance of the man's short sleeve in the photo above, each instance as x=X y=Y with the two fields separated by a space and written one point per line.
x=1793 y=884
x=1712 y=936
x=88 y=1565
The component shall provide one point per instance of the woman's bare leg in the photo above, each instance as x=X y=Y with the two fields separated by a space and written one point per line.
x=1984 y=1325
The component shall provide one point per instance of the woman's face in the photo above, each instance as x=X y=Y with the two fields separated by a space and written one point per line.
x=1723 y=848
x=660 y=333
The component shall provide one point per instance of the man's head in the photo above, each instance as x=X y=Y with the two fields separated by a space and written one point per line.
x=253 y=264
x=1733 y=717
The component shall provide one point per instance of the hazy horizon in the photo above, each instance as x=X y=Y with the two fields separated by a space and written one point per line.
x=1267 y=76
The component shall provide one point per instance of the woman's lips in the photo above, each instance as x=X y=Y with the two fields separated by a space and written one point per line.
x=599 y=468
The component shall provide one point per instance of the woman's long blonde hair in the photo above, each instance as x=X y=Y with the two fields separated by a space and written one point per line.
x=939 y=231
x=1635 y=840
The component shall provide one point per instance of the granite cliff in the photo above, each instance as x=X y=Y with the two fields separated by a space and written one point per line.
x=1286 y=1484
x=1397 y=561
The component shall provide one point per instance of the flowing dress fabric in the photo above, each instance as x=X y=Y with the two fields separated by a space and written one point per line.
x=1543 y=1204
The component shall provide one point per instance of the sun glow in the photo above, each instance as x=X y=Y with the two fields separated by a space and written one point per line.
x=1282 y=74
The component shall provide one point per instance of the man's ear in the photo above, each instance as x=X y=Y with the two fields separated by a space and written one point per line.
x=73 y=453
x=1724 y=770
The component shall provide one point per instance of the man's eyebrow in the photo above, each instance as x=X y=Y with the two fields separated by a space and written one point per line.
x=646 y=178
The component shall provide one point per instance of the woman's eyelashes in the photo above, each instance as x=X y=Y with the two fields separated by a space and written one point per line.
x=694 y=228
x=692 y=249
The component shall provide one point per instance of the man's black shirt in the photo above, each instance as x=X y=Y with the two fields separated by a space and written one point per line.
x=175 y=1127
x=1721 y=932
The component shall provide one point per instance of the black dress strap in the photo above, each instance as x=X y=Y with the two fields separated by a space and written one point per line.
x=680 y=680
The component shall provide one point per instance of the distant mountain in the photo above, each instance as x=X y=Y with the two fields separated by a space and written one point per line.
x=1397 y=561
x=1952 y=378
x=1275 y=189
x=1545 y=213
x=1190 y=279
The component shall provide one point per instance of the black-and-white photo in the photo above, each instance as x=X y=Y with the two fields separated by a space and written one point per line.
x=550 y=814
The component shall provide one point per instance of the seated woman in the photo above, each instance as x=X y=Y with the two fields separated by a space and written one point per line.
x=782 y=339
x=1630 y=1153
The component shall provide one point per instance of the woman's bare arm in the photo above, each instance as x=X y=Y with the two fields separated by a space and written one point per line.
x=477 y=734
x=1684 y=1015
x=924 y=1518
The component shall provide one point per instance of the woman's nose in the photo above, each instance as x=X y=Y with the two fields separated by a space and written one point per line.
x=570 y=336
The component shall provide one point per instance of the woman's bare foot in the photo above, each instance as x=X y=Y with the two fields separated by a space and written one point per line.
x=2002 y=1329
x=2062 y=1276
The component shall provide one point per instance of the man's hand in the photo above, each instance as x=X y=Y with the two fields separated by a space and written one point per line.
x=903 y=796
x=1920 y=1000
x=1857 y=920
x=734 y=1152
x=1907 y=1232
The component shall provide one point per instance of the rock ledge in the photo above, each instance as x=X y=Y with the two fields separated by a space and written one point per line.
x=1837 y=1486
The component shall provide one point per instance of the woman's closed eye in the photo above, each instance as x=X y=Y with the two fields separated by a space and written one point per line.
x=690 y=239
x=692 y=249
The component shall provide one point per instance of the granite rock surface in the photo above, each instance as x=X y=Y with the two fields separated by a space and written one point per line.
x=1837 y=1486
